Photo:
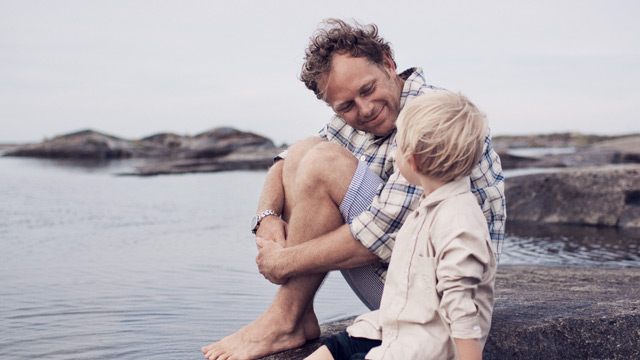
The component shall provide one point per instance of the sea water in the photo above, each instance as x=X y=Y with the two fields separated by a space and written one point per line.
x=99 y=266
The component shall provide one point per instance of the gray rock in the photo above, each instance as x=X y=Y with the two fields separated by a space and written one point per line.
x=86 y=144
x=248 y=158
x=607 y=196
x=565 y=313
x=551 y=313
x=224 y=141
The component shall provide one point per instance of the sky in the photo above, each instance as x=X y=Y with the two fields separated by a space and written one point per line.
x=134 y=68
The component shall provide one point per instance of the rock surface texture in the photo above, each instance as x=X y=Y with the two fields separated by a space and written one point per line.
x=604 y=196
x=552 y=313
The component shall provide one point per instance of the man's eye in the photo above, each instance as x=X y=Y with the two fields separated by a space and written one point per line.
x=368 y=91
x=346 y=108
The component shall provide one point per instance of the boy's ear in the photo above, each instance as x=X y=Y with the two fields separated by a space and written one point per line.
x=412 y=161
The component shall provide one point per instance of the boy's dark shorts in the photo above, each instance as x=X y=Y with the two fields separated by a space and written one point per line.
x=344 y=347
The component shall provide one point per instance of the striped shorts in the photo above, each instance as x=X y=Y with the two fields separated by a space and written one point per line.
x=363 y=188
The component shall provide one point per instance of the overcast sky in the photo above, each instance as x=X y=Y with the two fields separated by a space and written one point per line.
x=135 y=68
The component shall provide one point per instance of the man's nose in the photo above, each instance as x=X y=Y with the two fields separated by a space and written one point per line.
x=365 y=107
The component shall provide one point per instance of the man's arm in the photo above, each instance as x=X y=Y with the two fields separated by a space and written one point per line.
x=487 y=184
x=335 y=250
x=272 y=197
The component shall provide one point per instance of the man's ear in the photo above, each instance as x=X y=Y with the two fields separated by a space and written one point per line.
x=389 y=64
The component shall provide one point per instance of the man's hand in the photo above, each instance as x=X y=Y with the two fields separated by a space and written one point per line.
x=268 y=260
x=273 y=228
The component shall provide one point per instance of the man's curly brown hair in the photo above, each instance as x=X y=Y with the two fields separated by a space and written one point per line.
x=336 y=36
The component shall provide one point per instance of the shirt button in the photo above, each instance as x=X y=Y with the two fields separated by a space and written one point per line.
x=363 y=158
x=476 y=328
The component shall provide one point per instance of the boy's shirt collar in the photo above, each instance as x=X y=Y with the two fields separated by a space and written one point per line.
x=450 y=189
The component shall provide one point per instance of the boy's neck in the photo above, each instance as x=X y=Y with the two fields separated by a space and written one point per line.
x=429 y=184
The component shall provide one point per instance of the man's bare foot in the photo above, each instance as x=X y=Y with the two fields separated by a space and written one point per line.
x=267 y=335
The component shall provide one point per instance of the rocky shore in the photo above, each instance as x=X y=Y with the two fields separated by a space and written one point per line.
x=551 y=313
x=573 y=179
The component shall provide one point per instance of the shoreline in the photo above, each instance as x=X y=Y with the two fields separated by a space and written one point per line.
x=225 y=148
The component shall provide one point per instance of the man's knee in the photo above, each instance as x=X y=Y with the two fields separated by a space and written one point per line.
x=327 y=165
x=301 y=147
x=317 y=156
x=296 y=152
x=331 y=156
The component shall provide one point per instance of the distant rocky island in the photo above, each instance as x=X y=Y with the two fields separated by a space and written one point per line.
x=219 y=149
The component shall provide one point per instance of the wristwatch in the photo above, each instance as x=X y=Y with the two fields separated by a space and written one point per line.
x=255 y=222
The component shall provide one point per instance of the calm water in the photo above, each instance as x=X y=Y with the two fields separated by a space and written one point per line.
x=97 y=266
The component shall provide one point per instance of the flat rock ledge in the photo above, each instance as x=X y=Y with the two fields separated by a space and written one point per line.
x=552 y=313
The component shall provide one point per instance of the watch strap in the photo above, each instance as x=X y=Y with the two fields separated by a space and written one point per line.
x=261 y=216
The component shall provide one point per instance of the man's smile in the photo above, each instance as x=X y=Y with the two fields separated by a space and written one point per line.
x=372 y=119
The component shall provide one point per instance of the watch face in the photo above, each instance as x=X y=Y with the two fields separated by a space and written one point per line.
x=254 y=223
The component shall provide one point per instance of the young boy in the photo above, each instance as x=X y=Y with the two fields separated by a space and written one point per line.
x=438 y=296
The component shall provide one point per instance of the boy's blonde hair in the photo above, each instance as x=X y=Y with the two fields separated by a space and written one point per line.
x=445 y=132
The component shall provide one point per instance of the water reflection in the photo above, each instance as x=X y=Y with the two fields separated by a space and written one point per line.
x=109 y=166
x=570 y=245
x=538 y=152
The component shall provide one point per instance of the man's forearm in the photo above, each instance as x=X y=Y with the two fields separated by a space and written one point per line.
x=272 y=196
x=336 y=250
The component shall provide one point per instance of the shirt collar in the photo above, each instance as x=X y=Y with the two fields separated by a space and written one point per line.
x=405 y=75
x=414 y=81
x=450 y=189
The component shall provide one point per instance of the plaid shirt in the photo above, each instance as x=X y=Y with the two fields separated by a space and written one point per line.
x=376 y=228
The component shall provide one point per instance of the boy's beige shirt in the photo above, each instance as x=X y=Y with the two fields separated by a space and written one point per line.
x=440 y=280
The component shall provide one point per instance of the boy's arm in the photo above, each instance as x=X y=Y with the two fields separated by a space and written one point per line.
x=469 y=349
x=463 y=254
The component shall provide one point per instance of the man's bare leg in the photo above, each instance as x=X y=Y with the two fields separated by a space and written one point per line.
x=315 y=183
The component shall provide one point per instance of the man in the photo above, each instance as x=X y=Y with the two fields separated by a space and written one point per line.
x=336 y=202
